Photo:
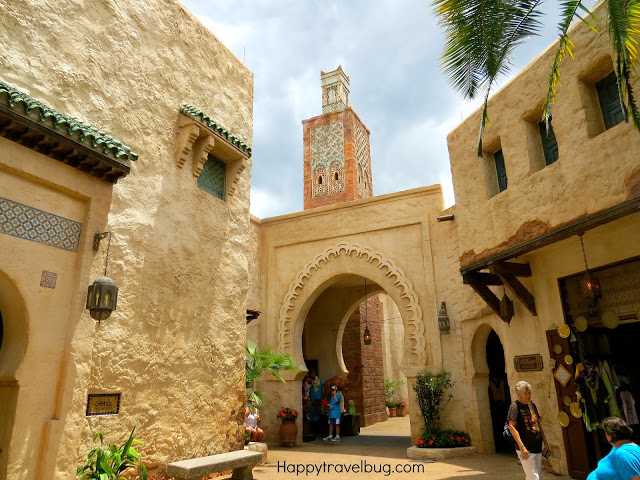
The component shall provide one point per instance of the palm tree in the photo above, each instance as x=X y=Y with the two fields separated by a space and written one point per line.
x=482 y=35
x=259 y=360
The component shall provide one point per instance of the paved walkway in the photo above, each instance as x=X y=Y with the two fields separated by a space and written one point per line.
x=379 y=449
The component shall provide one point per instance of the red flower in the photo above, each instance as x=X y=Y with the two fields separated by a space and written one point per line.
x=451 y=437
x=308 y=379
x=457 y=439
x=420 y=441
x=294 y=412
x=282 y=414
x=324 y=402
x=431 y=442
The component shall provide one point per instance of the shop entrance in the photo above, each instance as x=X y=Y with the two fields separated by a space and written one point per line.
x=499 y=393
x=597 y=361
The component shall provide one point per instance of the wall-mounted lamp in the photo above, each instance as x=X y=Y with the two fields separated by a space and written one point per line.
x=102 y=296
x=443 y=320
x=366 y=338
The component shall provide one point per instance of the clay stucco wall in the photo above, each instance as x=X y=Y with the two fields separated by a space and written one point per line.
x=39 y=320
x=174 y=349
x=594 y=170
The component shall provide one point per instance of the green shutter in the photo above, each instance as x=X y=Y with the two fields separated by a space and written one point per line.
x=549 y=143
x=213 y=177
x=500 y=170
x=612 y=112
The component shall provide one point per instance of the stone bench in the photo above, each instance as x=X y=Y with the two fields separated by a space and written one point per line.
x=240 y=461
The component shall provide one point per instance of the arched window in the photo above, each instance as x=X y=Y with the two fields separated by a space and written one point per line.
x=319 y=180
x=336 y=175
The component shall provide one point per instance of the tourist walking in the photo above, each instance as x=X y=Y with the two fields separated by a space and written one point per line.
x=526 y=430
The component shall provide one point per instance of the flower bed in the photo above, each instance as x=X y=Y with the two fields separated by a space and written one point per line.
x=444 y=439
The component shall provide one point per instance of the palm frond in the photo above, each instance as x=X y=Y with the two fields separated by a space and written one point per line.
x=569 y=10
x=481 y=38
x=623 y=18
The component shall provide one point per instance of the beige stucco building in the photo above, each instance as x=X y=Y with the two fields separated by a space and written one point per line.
x=189 y=260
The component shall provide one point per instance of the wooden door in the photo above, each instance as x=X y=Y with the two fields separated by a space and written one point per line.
x=573 y=435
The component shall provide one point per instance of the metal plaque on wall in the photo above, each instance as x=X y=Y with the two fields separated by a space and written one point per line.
x=103 y=404
x=528 y=363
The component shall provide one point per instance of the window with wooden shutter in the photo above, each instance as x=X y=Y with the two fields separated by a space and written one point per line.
x=610 y=105
x=549 y=143
x=501 y=171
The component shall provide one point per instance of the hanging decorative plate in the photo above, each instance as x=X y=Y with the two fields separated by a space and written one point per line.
x=568 y=359
x=567 y=400
x=562 y=375
x=581 y=324
x=557 y=348
x=563 y=419
x=576 y=411
x=564 y=331
x=610 y=319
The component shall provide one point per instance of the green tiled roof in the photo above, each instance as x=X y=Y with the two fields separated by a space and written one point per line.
x=75 y=128
x=193 y=112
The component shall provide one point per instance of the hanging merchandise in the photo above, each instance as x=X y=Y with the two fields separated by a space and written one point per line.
x=610 y=319
x=568 y=359
x=563 y=419
x=592 y=395
x=564 y=331
x=628 y=407
x=557 y=348
x=581 y=324
x=575 y=410
x=605 y=370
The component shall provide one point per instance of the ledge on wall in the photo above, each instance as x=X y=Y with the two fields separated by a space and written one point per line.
x=439 y=453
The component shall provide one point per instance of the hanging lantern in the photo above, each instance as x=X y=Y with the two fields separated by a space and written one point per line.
x=443 y=320
x=589 y=283
x=102 y=298
x=367 y=336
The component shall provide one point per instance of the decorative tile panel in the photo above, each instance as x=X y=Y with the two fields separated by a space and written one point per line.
x=36 y=225
x=213 y=177
x=363 y=163
x=327 y=155
x=48 y=279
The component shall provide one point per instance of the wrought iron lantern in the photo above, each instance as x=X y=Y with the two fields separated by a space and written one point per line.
x=366 y=338
x=589 y=283
x=102 y=298
x=443 y=320
x=102 y=295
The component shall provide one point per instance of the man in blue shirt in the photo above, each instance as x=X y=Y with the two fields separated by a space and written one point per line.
x=334 y=414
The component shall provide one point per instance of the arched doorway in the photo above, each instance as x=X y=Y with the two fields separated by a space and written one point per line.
x=13 y=343
x=498 y=391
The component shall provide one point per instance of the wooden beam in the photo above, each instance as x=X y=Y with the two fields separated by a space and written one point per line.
x=510 y=268
x=481 y=278
x=483 y=290
x=521 y=292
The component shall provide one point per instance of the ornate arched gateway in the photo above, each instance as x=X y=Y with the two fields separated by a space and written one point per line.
x=320 y=273
x=317 y=275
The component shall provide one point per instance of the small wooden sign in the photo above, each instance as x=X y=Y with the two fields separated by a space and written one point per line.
x=103 y=404
x=528 y=363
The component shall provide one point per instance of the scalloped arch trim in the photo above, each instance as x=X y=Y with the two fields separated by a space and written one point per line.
x=414 y=326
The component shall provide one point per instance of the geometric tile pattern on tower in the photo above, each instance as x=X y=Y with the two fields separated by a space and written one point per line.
x=327 y=154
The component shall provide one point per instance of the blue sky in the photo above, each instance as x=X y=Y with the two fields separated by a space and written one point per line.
x=389 y=49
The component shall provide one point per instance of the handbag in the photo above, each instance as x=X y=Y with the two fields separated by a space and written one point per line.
x=506 y=433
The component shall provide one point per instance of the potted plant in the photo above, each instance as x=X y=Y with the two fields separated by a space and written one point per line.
x=288 y=427
x=401 y=408
x=260 y=359
x=111 y=462
x=392 y=408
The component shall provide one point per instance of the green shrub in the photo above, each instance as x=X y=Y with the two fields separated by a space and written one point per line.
x=110 y=463
x=429 y=388
x=444 y=439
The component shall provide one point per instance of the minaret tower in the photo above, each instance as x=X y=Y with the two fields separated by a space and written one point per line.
x=337 y=158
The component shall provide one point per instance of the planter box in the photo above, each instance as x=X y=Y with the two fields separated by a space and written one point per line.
x=438 y=453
